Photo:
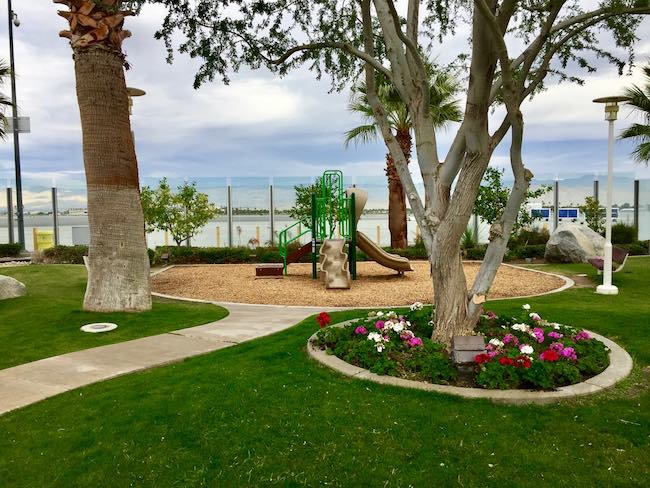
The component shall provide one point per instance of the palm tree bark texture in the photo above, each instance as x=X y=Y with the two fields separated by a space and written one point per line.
x=397 y=213
x=118 y=263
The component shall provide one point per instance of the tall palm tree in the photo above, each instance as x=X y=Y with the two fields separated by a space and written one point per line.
x=4 y=101
x=118 y=264
x=640 y=100
x=444 y=108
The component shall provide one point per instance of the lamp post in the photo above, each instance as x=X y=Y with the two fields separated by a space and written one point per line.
x=611 y=111
x=14 y=21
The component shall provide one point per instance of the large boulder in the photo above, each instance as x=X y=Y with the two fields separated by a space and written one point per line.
x=574 y=243
x=11 y=288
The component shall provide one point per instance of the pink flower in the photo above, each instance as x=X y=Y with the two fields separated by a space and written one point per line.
x=360 y=330
x=555 y=335
x=556 y=346
x=508 y=338
x=539 y=334
x=386 y=339
x=406 y=335
x=489 y=347
x=569 y=353
x=535 y=316
x=415 y=341
x=379 y=324
x=583 y=335
x=491 y=315
x=491 y=354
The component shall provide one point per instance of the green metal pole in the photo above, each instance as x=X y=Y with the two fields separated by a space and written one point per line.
x=314 y=272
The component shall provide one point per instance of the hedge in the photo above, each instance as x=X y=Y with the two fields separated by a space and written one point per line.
x=65 y=254
x=10 y=250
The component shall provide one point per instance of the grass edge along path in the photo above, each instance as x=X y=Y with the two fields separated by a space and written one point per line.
x=46 y=321
x=264 y=414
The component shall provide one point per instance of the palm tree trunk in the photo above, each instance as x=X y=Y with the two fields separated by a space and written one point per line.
x=118 y=276
x=397 y=214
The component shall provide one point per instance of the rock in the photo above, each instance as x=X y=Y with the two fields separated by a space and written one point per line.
x=574 y=243
x=11 y=288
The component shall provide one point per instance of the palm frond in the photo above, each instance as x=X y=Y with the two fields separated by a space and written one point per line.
x=363 y=134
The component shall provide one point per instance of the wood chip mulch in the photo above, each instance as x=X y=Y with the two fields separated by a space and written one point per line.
x=375 y=285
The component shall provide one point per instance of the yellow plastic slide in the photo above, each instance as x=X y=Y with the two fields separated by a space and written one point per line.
x=376 y=253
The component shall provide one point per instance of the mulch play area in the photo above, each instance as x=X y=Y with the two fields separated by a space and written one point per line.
x=375 y=286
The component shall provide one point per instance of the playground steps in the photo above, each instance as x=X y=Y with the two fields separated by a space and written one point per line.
x=272 y=270
x=297 y=254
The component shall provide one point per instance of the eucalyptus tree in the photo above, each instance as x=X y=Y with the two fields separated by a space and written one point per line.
x=118 y=264
x=444 y=109
x=640 y=133
x=4 y=101
x=515 y=46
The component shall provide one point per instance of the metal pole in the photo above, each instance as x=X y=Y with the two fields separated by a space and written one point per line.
x=596 y=189
x=476 y=229
x=14 y=109
x=55 y=216
x=636 y=207
x=10 y=215
x=607 y=288
x=229 y=216
x=272 y=214
x=556 y=204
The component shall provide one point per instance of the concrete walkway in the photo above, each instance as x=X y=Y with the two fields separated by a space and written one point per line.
x=35 y=381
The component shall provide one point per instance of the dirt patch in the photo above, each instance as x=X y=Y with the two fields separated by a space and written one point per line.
x=375 y=286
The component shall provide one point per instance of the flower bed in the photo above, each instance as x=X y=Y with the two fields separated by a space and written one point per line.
x=521 y=352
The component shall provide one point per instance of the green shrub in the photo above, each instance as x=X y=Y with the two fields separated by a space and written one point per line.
x=10 y=250
x=476 y=253
x=529 y=237
x=529 y=251
x=624 y=234
x=65 y=254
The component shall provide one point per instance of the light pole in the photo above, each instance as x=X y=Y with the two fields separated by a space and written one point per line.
x=14 y=21
x=611 y=111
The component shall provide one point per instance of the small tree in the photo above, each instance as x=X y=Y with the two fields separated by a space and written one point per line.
x=493 y=197
x=593 y=216
x=301 y=210
x=181 y=214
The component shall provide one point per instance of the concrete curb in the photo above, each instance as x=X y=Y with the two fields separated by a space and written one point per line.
x=620 y=366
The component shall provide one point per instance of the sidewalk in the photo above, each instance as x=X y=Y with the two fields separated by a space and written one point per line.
x=35 y=381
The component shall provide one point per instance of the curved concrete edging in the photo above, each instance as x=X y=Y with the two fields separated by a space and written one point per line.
x=568 y=283
x=620 y=366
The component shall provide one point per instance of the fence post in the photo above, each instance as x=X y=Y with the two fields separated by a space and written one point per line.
x=556 y=203
x=271 y=212
x=35 y=237
x=229 y=214
x=596 y=188
x=55 y=215
x=476 y=229
x=218 y=236
x=636 y=207
x=378 y=235
x=10 y=214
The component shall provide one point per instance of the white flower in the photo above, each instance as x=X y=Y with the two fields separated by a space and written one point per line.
x=521 y=327
x=399 y=327
x=416 y=306
x=526 y=349
x=534 y=316
x=380 y=347
x=496 y=342
x=374 y=336
x=525 y=306
x=380 y=314
x=555 y=325
x=388 y=325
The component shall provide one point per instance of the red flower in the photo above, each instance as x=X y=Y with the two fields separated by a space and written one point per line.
x=549 y=355
x=482 y=358
x=505 y=361
x=522 y=362
x=323 y=319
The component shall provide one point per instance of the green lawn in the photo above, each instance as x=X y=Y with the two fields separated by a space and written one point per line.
x=264 y=414
x=46 y=321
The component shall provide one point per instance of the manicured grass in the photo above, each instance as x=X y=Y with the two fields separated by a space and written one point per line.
x=263 y=414
x=46 y=321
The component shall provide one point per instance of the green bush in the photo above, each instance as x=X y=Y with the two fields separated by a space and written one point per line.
x=529 y=237
x=65 y=254
x=529 y=251
x=10 y=250
x=476 y=253
x=624 y=234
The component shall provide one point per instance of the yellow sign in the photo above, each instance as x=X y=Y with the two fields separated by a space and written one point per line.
x=43 y=239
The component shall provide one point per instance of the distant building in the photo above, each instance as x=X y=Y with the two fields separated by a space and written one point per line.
x=76 y=211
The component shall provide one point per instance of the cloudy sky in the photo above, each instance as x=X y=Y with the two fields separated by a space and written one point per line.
x=259 y=125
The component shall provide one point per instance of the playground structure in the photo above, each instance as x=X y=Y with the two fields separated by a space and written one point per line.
x=335 y=215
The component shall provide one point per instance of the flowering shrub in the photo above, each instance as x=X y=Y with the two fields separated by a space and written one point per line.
x=523 y=352
x=530 y=352
x=391 y=343
x=323 y=319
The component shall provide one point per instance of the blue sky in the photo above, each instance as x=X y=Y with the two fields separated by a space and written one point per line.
x=259 y=125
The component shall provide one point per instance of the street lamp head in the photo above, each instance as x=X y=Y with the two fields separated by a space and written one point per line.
x=15 y=19
x=133 y=92
x=611 y=105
